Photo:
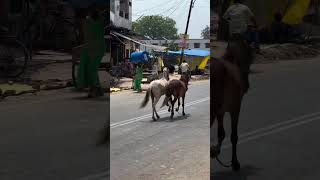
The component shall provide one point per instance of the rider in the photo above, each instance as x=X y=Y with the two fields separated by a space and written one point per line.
x=241 y=22
x=184 y=67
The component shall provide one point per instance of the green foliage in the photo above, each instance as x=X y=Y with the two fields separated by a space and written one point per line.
x=156 y=27
x=205 y=33
x=173 y=47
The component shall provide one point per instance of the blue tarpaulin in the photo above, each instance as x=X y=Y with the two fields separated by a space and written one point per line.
x=139 y=57
x=191 y=52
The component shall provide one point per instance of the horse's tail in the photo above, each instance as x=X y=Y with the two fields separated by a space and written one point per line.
x=234 y=72
x=146 y=99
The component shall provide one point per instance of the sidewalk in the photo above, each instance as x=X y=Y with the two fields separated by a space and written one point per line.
x=127 y=83
x=47 y=70
x=273 y=52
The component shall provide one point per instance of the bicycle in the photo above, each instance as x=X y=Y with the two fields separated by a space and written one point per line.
x=13 y=55
x=116 y=73
x=54 y=27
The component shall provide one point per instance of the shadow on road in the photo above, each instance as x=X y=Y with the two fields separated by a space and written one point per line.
x=85 y=98
x=228 y=174
x=176 y=117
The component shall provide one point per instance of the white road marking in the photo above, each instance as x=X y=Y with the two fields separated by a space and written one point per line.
x=137 y=119
x=104 y=174
x=275 y=128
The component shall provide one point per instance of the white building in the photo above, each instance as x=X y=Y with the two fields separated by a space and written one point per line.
x=202 y=44
x=121 y=13
x=121 y=22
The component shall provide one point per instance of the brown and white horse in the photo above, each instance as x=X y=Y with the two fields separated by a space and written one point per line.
x=228 y=86
x=156 y=90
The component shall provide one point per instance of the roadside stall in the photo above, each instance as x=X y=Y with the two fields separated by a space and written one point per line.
x=194 y=57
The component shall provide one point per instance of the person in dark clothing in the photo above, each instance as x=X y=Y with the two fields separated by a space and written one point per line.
x=278 y=29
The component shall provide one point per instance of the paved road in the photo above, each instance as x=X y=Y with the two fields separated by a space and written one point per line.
x=51 y=137
x=279 y=125
x=146 y=150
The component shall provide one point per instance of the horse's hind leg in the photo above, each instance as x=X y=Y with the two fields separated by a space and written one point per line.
x=234 y=139
x=154 y=106
x=177 y=109
x=183 y=114
x=172 y=104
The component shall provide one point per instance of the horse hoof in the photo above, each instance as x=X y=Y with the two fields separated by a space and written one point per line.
x=158 y=117
x=177 y=110
x=235 y=166
x=183 y=114
x=168 y=110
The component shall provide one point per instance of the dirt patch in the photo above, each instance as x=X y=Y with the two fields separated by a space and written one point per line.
x=278 y=52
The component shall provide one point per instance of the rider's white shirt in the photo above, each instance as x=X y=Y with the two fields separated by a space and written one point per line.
x=238 y=16
x=184 y=67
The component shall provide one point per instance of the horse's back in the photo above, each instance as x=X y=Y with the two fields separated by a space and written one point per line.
x=176 y=88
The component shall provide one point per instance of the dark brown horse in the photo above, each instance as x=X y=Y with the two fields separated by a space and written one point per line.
x=229 y=83
x=177 y=89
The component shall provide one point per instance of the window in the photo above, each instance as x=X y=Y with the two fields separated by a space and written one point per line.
x=207 y=45
x=130 y=3
x=196 y=45
x=165 y=44
x=155 y=44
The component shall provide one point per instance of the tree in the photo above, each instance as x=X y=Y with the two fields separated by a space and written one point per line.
x=156 y=27
x=205 y=33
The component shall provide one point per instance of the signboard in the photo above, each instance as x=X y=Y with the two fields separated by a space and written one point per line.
x=184 y=39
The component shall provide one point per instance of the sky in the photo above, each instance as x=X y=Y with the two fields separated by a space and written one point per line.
x=177 y=10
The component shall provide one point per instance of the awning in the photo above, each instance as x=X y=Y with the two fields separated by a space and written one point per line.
x=191 y=52
x=154 y=47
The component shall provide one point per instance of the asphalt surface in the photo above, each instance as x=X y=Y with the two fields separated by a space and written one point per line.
x=52 y=136
x=145 y=150
x=279 y=125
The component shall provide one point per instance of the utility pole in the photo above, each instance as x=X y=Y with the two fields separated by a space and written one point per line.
x=186 y=32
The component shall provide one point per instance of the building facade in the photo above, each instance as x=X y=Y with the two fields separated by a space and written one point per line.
x=121 y=22
x=121 y=13
x=202 y=44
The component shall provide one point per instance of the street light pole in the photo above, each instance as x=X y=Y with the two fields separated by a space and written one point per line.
x=186 y=32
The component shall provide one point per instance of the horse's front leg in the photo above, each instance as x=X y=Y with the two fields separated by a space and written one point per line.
x=221 y=131
x=234 y=139
x=172 y=104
